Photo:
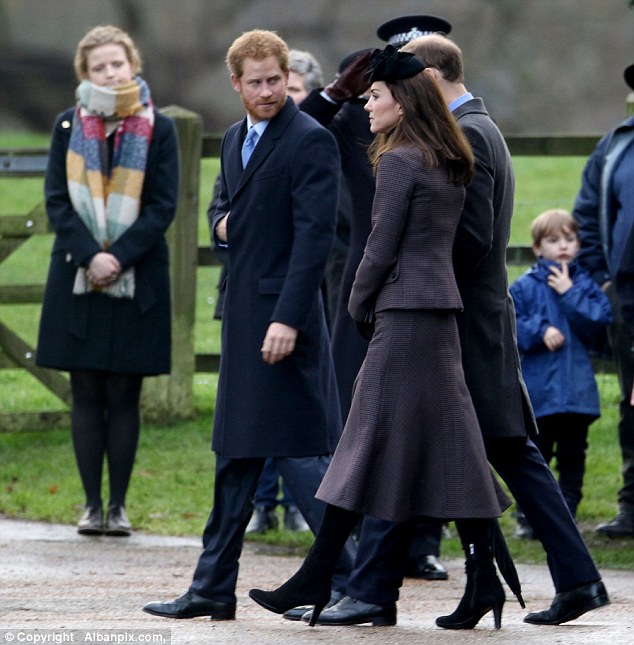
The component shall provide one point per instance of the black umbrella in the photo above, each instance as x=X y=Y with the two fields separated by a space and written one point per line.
x=504 y=561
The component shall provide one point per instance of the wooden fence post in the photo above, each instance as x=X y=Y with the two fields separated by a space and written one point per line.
x=169 y=398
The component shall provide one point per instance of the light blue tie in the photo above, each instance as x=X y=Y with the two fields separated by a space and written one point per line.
x=249 y=144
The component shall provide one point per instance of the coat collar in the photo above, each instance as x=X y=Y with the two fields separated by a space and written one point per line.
x=266 y=144
x=473 y=106
x=541 y=268
x=628 y=124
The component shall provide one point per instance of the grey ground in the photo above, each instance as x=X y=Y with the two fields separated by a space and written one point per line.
x=53 y=580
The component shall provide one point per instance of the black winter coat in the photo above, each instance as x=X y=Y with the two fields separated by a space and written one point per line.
x=280 y=229
x=95 y=331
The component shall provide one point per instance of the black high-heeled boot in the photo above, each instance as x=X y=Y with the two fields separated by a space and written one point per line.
x=481 y=541
x=311 y=584
x=483 y=593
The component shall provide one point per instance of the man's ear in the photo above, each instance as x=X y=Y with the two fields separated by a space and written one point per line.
x=235 y=82
x=434 y=73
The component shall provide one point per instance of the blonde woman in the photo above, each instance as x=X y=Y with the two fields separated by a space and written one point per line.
x=111 y=190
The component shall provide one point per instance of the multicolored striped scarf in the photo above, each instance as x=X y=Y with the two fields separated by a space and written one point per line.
x=107 y=199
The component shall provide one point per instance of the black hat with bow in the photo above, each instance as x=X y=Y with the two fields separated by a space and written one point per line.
x=390 y=64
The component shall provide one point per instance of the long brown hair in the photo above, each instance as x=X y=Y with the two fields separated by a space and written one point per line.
x=427 y=124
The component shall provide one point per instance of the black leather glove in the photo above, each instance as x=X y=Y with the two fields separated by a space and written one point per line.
x=366 y=326
x=352 y=82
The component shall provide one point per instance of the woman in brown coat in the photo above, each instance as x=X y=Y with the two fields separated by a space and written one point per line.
x=412 y=446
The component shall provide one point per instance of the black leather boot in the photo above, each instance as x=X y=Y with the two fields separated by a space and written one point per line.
x=622 y=526
x=311 y=584
x=483 y=593
x=482 y=541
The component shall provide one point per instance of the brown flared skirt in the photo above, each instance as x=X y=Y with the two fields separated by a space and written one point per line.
x=412 y=445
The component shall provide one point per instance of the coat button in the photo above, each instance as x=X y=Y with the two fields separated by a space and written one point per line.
x=65 y=124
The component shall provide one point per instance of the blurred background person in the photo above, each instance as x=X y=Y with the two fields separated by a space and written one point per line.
x=111 y=190
x=604 y=209
x=560 y=313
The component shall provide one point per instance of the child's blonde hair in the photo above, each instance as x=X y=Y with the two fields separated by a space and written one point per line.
x=552 y=221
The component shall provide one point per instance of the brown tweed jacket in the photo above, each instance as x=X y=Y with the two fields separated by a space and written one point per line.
x=407 y=259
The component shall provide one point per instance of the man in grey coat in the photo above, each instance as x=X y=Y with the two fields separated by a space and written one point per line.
x=492 y=371
x=276 y=388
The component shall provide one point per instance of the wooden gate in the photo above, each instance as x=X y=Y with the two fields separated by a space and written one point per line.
x=164 y=397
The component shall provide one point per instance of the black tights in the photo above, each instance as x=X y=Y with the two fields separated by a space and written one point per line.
x=336 y=527
x=105 y=421
x=476 y=533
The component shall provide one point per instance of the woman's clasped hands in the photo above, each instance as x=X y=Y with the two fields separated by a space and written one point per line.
x=104 y=269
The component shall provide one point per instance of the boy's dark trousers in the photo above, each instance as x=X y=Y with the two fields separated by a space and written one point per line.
x=565 y=436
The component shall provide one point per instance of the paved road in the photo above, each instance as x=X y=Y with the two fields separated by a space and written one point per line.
x=54 y=583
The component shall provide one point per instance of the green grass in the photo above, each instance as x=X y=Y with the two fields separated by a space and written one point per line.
x=172 y=485
x=542 y=183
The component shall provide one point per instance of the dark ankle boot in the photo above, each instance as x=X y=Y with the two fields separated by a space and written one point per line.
x=483 y=593
x=311 y=584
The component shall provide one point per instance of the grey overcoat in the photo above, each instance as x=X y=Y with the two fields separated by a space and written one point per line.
x=487 y=324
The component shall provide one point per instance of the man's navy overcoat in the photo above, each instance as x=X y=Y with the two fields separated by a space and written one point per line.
x=280 y=230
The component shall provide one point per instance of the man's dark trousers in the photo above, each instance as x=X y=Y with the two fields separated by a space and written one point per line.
x=381 y=558
x=235 y=483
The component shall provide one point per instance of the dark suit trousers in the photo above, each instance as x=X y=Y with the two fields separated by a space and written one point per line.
x=235 y=484
x=383 y=546
x=621 y=341
x=426 y=539
x=382 y=555
x=531 y=482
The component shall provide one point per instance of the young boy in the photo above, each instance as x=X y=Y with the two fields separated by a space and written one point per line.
x=560 y=310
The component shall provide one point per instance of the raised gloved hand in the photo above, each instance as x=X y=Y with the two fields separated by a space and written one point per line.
x=353 y=80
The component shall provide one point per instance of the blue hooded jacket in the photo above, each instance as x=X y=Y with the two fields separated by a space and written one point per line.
x=561 y=381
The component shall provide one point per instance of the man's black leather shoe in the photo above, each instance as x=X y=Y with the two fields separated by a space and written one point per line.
x=298 y=612
x=569 y=605
x=350 y=611
x=523 y=529
x=620 y=527
x=191 y=605
x=263 y=520
x=426 y=568
x=294 y=520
